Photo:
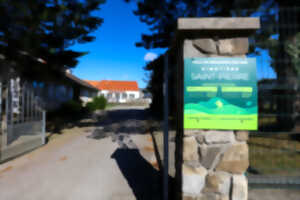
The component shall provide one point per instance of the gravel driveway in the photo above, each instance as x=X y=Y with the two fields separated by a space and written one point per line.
x=115 y=161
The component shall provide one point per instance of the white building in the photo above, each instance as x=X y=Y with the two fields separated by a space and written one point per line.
x=117 y=91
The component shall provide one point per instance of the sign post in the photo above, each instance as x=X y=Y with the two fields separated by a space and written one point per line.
x=217 y=106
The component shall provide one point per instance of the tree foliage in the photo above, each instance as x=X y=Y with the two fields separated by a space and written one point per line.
x=276 y=18
x=43 y=30
x=292 y=47
x=161 y=15
x=278 y=34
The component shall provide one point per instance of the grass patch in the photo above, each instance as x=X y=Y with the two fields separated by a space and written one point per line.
x=275 y=155
x=110 y=105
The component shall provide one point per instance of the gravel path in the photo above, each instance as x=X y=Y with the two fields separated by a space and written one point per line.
x=114 y=162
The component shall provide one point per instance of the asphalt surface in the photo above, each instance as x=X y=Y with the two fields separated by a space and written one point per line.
x=115 y=161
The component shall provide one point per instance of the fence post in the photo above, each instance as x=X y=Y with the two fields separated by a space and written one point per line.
x=166 y=128
x=4 y=120
x=1 y=131
x=44 y=127
x=23 y=104
x=27 y=103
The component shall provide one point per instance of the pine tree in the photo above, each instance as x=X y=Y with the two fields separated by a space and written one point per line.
x=43 y=30
x=277 y=18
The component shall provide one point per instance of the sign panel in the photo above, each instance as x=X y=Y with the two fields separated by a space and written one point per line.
x=220 y=93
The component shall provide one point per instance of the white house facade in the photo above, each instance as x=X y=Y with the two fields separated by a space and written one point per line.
x=117 y=91
x=120 y=97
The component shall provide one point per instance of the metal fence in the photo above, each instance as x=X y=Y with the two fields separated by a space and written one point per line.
x=274 y=159
x=22 y=119
x=275 y=148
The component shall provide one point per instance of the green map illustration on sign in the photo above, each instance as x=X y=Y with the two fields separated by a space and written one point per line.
x=220 y=93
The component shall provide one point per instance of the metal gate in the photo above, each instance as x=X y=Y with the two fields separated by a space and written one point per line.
x=22 y=119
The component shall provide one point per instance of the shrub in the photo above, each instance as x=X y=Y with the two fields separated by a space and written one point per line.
x=71 y=108
x=98 y=103
x=90 y=106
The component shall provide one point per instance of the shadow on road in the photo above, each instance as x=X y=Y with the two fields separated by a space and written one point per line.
x=142 y=177
x=125 y=121
x=144 y=180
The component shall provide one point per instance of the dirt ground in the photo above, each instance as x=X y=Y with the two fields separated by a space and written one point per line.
x=274 y=194
x=113 y=161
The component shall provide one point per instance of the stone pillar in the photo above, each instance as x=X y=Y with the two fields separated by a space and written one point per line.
x=213 y=162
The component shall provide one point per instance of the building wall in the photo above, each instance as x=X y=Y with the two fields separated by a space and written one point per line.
x=87 y=95
x=53 y=95
x=120 y=97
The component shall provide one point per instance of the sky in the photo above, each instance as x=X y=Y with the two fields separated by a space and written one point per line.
x=113 y=55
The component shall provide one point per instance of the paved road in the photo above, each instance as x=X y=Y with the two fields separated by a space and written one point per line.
x=113 y=162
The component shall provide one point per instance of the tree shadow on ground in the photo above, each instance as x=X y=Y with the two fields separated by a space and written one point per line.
x=144 y=180
x=56 y=123
x=125 y=121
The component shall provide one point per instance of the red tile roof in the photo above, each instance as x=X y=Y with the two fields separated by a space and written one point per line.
x=115 y=85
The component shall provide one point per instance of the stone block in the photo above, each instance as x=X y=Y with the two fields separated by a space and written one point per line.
x=191 y=132
x=208 y=155
x=239 y=187
x=233 y=46
x=210 y=196
x=224 y=197
x=218 y=182
x=200 y=139
x=218 y=137
x=190 y=51
x=206 y=45
x=193 y=180
x=190 y=149
x=189 y=198
x=235 y=159
x=219 y=23
x=241 y=136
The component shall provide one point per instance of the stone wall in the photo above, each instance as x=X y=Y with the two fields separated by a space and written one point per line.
x=213 y=162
